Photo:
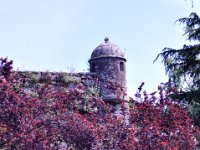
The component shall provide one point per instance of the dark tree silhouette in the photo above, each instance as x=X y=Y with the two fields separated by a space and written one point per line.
x=183 y=65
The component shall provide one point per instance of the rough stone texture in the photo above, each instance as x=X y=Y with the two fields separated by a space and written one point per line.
x=68 y=79
x=107 y=78
x=107 y=49
x=109 y=64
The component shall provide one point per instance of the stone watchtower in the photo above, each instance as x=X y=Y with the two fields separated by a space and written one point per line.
x=109 y=64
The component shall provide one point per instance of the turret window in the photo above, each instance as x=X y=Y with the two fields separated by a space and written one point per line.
x=121 y=66
x=93 y=66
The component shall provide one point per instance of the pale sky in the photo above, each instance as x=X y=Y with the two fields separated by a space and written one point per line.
x=57 y=35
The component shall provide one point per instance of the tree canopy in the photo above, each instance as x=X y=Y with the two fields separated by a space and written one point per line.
x=183 y=65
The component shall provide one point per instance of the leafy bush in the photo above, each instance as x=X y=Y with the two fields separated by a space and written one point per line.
x=52 y=120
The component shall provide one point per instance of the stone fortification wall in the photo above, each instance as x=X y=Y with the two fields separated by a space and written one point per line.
x=67 y=79
x=91 y=81
x=65 y=82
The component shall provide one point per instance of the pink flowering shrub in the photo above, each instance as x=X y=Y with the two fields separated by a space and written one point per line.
x=44 y=116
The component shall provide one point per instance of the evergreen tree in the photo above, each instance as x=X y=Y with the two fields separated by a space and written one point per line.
x=183 y=65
